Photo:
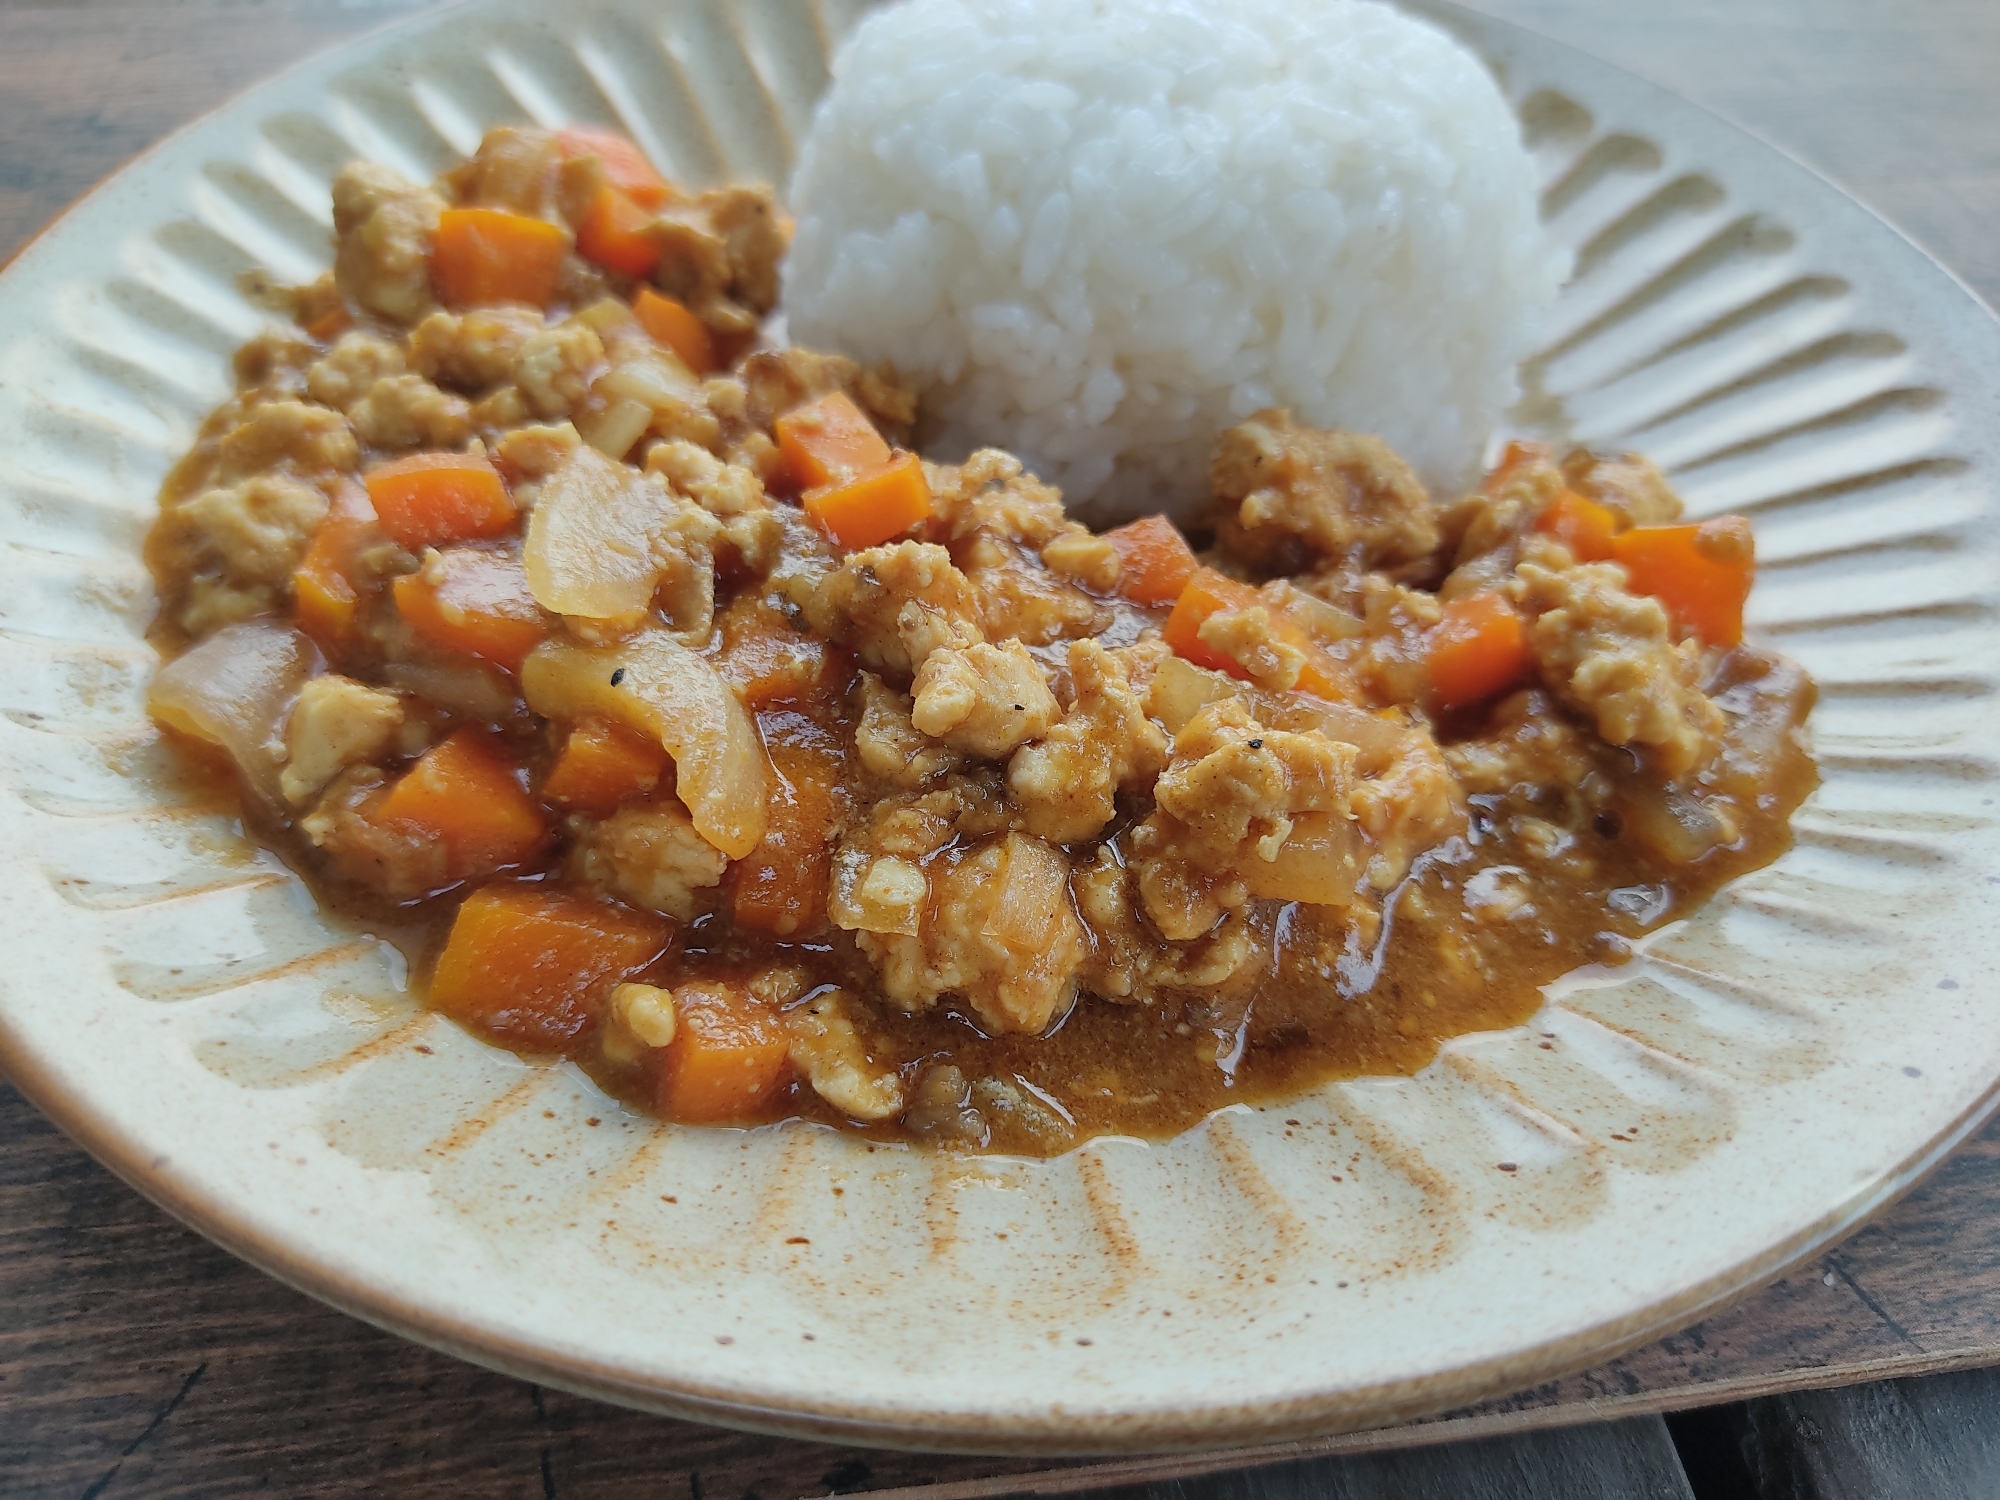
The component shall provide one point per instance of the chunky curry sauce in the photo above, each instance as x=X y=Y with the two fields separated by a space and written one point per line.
x=767 y=770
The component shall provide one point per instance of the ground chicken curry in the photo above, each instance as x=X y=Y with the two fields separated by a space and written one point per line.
x=723 y=745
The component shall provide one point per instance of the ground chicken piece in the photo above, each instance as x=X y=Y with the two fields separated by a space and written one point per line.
x=777 y=381
x=1066 y=782
x=1020 y=598
x=1490 y=531
x=756 y=236
x=1227 y=799
x=534 y=453
x=1251 y=639
x=895 y=605
x=310 y=440
x=890 y=746
x=336 y=723
x=503 y=409
x=826 y=1047
x=256 y=530
x=719 y=248
x=473 y=351
x=1625 y=483
x=514 y=169
x=651 y=856
x=1294 y=489
x=639 y=1018
x=1003 y=935
x=1527 y=745
x=731 y=493
x=350 y=369
x=1084 y=557
x=272 y=365
x=884 y=894
x=1610 y=655
x=1183 y=903
x=554 y=367
x=1235 y=785
x=721 y=489
x=990 y=492
x=1395 y=621
x=384 y=228
x=984 y=700
x=407 y=411
x=1411 y=805
x=1128 y=960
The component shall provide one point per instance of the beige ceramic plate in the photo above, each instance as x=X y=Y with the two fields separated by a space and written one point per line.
x=1653 y=1142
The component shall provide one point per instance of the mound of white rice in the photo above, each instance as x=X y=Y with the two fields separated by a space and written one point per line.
x=1098 y=231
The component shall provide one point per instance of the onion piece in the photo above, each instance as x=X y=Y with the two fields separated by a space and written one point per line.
x=602 y=534
x=466 y=688
x=236 y=690
x=654 y=377
x=1320 y=863
x=614 y=430
x=665 y=691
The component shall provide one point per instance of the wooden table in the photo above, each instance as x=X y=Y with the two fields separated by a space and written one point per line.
x=135 y=1358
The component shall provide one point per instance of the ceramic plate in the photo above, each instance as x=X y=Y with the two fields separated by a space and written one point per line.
x=1654 y=1141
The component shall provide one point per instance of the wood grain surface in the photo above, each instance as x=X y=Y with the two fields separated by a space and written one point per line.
x=135 y=1358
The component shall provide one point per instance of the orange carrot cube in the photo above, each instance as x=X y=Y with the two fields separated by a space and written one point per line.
x=532 y=966
x=429 y=499
x=486 y=255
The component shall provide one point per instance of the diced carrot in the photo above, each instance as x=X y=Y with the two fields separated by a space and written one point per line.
x=1154 y=560
x=767 y=659
x=830 y=442
x=1479 y=649
x=603 y=764
x=1582 y=525
x=625 y=166
x=872 y=507
x=532 y=966
x=428 y=499
x=330 y=324
x=1702 y=573
x=480 y=606
x=1206 y=592
x=670 y=323
x=613 y=235
x=328 y=599
x=1516 y=456
x=488 y=255
x=1209 y=593
x=470 y=800
x=729 y=1054
x=780 y=886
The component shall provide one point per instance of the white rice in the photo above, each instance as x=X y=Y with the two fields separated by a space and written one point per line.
x=1098 y=231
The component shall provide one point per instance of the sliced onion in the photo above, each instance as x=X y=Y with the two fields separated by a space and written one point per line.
x=1180 y=690
x=614 y=430
x=665 y=691
x=654 y=378
x=236 y=690
x=1320 y=862
x=1028 y=898
x=596 y=538
x=1381 y=738
x=468 y=689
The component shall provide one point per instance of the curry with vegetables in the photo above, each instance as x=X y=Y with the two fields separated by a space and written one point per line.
x=725 y=745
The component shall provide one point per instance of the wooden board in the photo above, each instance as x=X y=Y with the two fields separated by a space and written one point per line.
x=137 y=1358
